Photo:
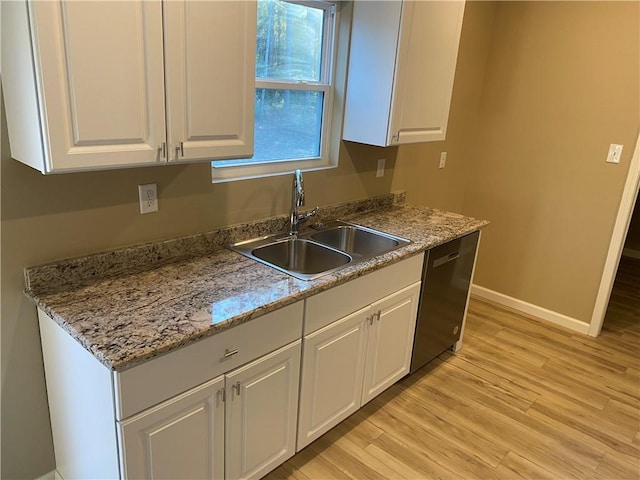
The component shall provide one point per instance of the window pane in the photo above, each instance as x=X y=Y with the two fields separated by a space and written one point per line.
x=287 y=124
x=289 y=41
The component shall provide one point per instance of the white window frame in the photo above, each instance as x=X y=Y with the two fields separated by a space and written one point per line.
x=230 y=170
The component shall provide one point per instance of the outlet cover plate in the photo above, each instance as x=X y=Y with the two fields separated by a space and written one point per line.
x=148 y=195
x=443 y=159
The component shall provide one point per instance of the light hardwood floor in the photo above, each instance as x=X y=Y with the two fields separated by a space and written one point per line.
x=522 y=399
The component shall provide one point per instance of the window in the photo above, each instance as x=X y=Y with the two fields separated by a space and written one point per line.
x=294 y=90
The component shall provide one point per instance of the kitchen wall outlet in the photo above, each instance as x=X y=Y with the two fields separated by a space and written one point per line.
x=615 y=152
x=443 y=159
x=148 y=195
x=380 y=171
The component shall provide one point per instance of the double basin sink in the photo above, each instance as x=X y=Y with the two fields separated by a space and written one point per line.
x=310 y=255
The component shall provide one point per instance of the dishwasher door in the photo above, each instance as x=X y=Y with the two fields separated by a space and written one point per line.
x=446 y=278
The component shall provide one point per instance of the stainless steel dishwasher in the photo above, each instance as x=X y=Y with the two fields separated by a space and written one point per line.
x=446 y=277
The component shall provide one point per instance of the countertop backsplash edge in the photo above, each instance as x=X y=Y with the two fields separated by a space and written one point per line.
x=71 y=272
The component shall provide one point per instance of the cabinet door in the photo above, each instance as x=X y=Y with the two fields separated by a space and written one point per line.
x=180 y=438
x=426 y=64
x=331 y=380
x=210 y=58
x=261 y=413
x=390 y=340
x=101 y=81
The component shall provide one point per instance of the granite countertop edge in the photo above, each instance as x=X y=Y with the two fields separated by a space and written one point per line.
x=130 y=317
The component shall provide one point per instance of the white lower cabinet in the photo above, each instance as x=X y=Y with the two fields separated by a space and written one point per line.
x=239 y=425
x=261 y=413
x=180 y=438
x=333 y=369
x=390 y=340
x=237 y=404
x=350 y=360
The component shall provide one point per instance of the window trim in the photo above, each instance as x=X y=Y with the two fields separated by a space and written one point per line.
x=226 y=171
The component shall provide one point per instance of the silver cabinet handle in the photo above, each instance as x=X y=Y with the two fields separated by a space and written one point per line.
x=236 y=387
x=377 y=315
x=230 y=353
x=162 y=149
x=180 y=150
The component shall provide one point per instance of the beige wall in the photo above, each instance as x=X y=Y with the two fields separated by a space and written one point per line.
x=417 y=169
x=525 y=150
x=561 y=84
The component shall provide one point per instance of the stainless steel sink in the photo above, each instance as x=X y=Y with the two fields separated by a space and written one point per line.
x=313 y=254
x=302 y=258
x=358 y=240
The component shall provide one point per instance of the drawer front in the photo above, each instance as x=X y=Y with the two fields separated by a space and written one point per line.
x=166 y=376
x=328 y=306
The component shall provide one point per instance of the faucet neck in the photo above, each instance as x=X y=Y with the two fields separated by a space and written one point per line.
x=298 y=189
x=297 y=200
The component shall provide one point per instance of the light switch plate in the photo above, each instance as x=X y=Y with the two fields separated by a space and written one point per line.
x=380 y=170
x=615 y=152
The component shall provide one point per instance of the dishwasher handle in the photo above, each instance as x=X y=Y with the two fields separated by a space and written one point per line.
x=446 y=259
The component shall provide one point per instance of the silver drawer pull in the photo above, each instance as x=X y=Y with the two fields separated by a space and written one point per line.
x=230 y=353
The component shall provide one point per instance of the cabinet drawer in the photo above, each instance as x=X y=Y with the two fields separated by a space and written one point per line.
x=326 y=307
x=161 y=378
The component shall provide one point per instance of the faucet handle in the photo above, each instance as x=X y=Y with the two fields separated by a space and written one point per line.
x=309 y=214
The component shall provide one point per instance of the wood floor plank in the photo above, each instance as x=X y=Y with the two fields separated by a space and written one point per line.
x=613 y=467
x=357 y=457
x=415 y=459
x=440 y=450
x=439 y=425
x=523 y=399
x=532 y=438
x=616 y=436
x=612 y=386
x=310 y=464
x=538 y=380
x=515 y=466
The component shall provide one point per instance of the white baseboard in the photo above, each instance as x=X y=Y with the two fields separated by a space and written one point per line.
x=629 y=252
x=531 y=309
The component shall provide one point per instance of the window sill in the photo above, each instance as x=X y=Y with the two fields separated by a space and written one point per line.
x=231 y=173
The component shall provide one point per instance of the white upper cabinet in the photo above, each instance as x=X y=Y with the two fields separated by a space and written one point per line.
x=210 y=74
x=401 y=70
x=85 y=82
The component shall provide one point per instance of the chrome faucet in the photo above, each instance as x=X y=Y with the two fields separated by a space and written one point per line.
x=297 y=200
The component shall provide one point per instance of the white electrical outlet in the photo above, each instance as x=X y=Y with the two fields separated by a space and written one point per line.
x=148 y=195
x=615 y=152
x=380 y=171
x=443 y=159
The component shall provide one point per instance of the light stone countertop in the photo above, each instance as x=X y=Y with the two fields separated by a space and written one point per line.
x=130 y=305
